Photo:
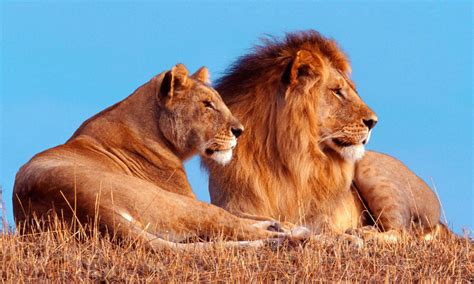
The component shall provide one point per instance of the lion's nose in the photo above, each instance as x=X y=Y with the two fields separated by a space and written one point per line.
x=370 y=123
x=237 y=131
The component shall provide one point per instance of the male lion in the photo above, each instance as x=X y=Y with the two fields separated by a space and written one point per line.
x=125 y=166
x=306 y=127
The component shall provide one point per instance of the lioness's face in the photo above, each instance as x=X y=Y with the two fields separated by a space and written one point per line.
x=345 y=121
x=195 y=119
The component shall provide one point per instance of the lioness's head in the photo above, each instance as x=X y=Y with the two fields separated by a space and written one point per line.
x=194 y=119
x=343 y=121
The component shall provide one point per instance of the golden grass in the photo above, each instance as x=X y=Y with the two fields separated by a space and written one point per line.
x=61 y=255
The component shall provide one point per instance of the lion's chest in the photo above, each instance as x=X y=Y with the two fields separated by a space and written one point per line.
x=328 y=203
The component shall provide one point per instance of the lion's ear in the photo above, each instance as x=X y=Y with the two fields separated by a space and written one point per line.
x=202 y=74
x=302 y=67
x=175 y=78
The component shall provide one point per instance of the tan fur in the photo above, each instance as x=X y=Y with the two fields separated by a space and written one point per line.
x=287 y=165
x=305 y=128
x=397 y=198
x=125 y=166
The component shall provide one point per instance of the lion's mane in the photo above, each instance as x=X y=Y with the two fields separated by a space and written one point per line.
x=278 y=166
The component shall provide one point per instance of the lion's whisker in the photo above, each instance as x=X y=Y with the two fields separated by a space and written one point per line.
x=336 y=134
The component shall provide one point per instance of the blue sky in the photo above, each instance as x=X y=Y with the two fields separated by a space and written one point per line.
x=412 y=63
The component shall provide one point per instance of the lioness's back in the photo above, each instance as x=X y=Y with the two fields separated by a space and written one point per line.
x=123 y=171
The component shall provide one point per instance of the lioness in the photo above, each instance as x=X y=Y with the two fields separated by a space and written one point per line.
x=125 y=165
x=306 y=127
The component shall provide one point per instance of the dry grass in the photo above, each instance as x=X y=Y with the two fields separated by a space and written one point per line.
x=3 y=214
x=61 y=255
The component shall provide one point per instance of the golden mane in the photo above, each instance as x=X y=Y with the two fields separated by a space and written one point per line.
x=265 y=66
x=306 y=126
x=278 y=169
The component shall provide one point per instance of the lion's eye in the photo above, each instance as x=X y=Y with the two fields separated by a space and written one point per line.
x=209 y=104
x=338 y=93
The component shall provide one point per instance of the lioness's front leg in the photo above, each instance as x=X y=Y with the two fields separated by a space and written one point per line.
x=396 y=197
x=288 y=229
x=177 y=217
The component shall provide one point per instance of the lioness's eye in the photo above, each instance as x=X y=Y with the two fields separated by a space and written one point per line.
x=209 y=104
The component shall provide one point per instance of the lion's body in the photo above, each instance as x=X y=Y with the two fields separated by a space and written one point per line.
x=316 y=209
x=123 y=169
x=398 y=198
x=305 y=130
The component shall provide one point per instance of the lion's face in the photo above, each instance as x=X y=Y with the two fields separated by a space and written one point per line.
x=344 y=121
x=195 y=119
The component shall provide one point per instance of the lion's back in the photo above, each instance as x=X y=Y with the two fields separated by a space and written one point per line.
x=397 y=190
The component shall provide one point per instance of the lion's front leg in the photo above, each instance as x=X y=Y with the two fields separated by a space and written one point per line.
x=398 y=200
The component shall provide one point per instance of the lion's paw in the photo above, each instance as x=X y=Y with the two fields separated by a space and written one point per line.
x=370 y=233
x=353 y=240
x=300 y=233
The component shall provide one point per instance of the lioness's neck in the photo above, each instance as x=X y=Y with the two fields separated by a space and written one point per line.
x=129 y=131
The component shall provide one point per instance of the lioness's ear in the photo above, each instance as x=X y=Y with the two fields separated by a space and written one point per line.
x=174 y=78
x=202 y=74
x=166 y=88
x=180 y=74
x=301 y=67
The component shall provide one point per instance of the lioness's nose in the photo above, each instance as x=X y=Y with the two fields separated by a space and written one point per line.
x=237 y=131
x=370 y=122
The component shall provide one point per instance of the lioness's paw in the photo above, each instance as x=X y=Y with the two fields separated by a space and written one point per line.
x=269 y=225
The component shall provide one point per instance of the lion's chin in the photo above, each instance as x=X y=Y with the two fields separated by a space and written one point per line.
x=221 y=157
x=352 y=153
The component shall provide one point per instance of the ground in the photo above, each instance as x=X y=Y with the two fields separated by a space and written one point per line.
x=61 y=255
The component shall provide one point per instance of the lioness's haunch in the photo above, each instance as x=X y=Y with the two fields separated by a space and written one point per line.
x=125 y=164
x=306 y=127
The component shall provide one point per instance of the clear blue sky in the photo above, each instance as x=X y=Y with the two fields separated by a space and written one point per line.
x=412 y=62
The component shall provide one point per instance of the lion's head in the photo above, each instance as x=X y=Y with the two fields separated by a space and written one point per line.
x=305 y=127
x=343 y=120
x=194 y=118
x=301 y=90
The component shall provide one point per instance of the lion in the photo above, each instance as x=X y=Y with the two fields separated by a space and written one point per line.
x=302 y=158
x=122 y=170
